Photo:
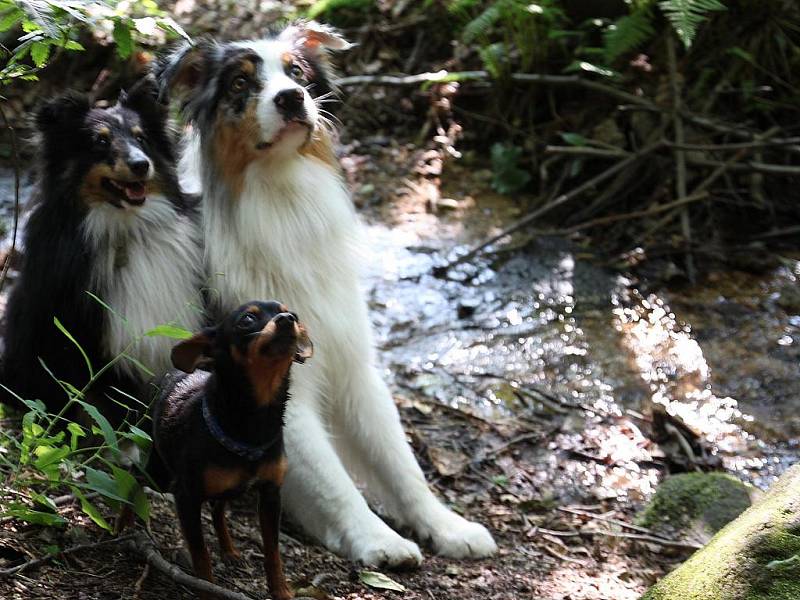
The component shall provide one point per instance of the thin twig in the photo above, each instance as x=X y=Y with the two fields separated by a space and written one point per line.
x=777 y=233
x=143 y=545
x=646 y=538
x=525 y=437
x=583 y=513
x=44 y=559
x=735 y=145
x=633 y=215
x=586 y=151
x=751 y=166
x=680 y=155
x=442 y=270
x=439 y=76
x=644 y=535
x=137 y=588
x=15 y=162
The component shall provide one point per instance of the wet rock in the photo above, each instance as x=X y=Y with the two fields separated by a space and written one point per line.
x=467 y=307
x=751 y=558
x=695 y=506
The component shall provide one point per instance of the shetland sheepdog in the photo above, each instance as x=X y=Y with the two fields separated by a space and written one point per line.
x=279 y=222
x=109 y=220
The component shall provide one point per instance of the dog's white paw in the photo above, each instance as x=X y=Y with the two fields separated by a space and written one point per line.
x=385 y=548
x=455 y=537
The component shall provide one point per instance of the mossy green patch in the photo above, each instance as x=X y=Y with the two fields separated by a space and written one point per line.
x=715 y=499
x=733 y=566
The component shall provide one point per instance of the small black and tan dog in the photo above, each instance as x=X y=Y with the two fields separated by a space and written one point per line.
x=221 y=432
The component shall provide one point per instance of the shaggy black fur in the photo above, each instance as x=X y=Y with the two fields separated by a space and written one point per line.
x=57 y=260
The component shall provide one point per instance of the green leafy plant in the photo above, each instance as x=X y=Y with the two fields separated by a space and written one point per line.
x=46 y=456
x=687 y=15
x=628 y=32
x=509 y=31
x=637 y=28
x=51 y=26
x=507 y=176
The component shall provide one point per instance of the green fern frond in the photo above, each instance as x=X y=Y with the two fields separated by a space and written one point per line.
x=480 y=25
x=462 y=6
x=627 y=33
x=687 y=15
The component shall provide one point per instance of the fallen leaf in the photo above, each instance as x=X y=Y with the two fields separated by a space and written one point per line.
x=380 y=581
x=447 y=462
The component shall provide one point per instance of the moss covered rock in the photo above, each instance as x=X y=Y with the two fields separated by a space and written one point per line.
x=694 y=506
x=741 y=562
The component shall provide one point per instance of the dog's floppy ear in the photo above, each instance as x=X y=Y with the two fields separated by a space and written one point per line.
x=183 y=69
x=304 y=348
x=314 y=38
x=195 y=352
x=63 y=113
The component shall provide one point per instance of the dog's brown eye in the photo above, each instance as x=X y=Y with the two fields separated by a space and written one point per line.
x=140 y=138
x=246 y=320
x=103 y=142
x=239 y=84
x=296 y=72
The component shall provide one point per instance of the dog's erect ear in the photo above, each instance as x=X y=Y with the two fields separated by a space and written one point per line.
x=313 y=37
x=143 y=95
x=195 y=352
x=63 y=113
x=304 y=348
x=183 y=69
x=143 y=98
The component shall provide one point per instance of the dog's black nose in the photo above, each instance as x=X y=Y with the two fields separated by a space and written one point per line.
x=139 y=166
x=285 y=319
x=289 y=102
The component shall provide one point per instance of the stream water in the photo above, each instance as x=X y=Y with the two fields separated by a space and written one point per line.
x=500 y=336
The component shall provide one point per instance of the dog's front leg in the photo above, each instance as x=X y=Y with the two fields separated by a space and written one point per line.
x=269 y=517
x=321 y=496
x=188 y=507
x=375 y=436
x=228 y=551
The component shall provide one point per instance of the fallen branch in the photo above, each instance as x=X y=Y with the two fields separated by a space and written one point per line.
x=583 y=513
x=144 y=547
x=442 y=76
x=751 y=166
x=525 y=437
x=442 y=270
x=38 y=561
x=586 y=151
x=633 y=215
x=760 y=143
x=777 y=233
x=646 y=538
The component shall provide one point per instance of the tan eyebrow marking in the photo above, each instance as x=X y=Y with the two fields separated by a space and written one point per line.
x=136 y=130
x=287 y=58
x=104 y=131
x=247 y=67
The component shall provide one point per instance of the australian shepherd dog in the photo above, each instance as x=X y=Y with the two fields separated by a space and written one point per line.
x=279 y=222
x=109 y=221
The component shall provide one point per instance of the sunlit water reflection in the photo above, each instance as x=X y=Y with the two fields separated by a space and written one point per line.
x=545 y=321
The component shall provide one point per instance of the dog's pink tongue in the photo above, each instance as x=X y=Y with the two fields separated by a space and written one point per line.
x=135 y=192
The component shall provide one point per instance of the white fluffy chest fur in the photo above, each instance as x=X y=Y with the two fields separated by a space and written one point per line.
x=148 y=267
x=292 y=236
